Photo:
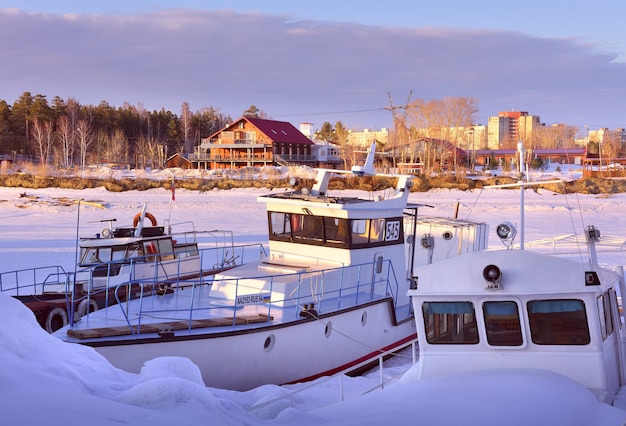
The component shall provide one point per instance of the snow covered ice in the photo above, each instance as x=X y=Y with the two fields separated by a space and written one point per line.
x=46 y=381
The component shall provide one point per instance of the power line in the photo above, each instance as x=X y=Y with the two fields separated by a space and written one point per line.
x=356 y=111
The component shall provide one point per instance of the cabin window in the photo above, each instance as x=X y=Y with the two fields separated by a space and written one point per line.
x=450 y=323
x=605 y=315
x=309 y=229
x=117 y=254
x=502 y=323
x=376 y=232
x=186 y=250
x=334 y=232
x=280 y=225
x=165 y=249
x=92 y=255
x=558 y=322
x=613 y=296
x=360 y=231
x=134 y=250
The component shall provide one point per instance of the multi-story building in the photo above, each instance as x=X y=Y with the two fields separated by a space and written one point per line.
x=364 y=139
x=509 y=127
x=603 y=134
x=253 y=142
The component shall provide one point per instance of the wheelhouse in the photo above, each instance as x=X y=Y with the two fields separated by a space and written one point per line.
x=334 y=232
x=520 y=309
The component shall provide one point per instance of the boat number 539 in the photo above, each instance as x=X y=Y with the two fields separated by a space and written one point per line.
x=393 y=231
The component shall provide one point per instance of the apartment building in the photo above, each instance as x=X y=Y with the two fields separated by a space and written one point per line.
x=509 y=127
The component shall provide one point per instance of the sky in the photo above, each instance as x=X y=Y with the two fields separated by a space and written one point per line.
x=348 y=61
x=47 y=381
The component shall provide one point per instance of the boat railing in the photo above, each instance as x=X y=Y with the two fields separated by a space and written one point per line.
x=383 y=381
x=101 y=282
x=328 y=290
x=32 y=281
x=217 y=237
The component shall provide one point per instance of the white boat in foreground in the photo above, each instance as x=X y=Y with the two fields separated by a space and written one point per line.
x=515 y=308
x=331 y=294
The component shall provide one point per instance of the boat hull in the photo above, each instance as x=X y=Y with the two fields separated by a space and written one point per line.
x=272 y=354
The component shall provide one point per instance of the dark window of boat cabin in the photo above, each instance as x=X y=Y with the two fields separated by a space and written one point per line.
x=186 y=250
x=165 y=248
x=450 y=323
x=615 y=304
x=336 y=230
x=502 y=323
x=308 y=229
x=604 y=315
x=135 y=250
x=96 y=255
x=117 y=253
x=376 y=232
x=558 y=322
x=610 y=323
x=280 y=226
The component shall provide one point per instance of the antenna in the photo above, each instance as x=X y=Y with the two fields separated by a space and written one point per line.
x=368 y=167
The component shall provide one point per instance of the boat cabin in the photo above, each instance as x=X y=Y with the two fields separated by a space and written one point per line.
x=520 y=309
x=125 y=248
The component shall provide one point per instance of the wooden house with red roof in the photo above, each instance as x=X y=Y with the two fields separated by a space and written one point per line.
x=253 y=142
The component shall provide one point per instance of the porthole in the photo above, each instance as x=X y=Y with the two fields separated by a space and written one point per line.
x=269 y=343
x=328 y=329
x=364 y=318
x=447 y=235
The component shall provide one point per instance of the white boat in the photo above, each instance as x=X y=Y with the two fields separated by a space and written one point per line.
x=126 y=256
x=519 y=309
x=331 y=294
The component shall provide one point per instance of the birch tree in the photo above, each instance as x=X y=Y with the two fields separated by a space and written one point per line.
x=85 y=138
x=65 y=141
x=43 y=139
x=186 y=127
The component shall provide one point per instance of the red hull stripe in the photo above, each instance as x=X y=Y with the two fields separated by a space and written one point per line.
x=371 y=355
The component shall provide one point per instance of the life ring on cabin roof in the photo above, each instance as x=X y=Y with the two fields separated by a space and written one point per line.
x=148 y=216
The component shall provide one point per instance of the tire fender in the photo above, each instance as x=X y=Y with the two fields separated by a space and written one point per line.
x=56 y=319
x=84 y=307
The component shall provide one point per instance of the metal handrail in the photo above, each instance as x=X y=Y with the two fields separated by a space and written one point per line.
x=40 y=276
x=341 y=374
x=211 y=258
x=148 y=287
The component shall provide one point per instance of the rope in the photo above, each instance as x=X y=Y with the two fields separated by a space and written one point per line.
x=325 y=323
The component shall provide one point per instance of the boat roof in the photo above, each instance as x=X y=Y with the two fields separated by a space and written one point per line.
x=109 y=242
x=119 y=241
x=299 y=196
x=522 y=272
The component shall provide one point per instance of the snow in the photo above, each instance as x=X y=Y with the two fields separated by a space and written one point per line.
x=46 y=381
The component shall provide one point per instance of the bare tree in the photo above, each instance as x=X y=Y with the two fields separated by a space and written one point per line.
x=148 y=148
x=445 y=120
x=43 y=139
x=610 y=146
x=341 y=138
x=118 y=146
x=186 y=127
x=100 y=145
x=65 y=139
x=85 y=139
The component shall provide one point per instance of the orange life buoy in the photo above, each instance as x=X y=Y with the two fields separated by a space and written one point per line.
x=148 y=215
